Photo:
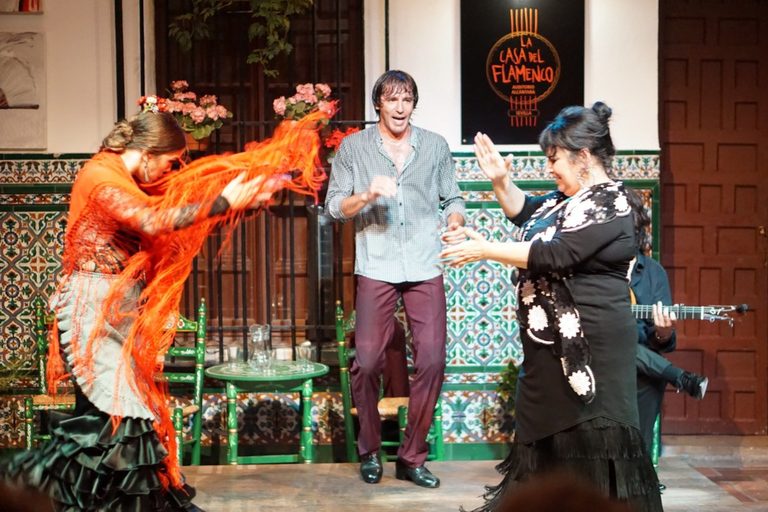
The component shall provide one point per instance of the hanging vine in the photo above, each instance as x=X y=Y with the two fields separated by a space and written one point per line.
x=270 y=25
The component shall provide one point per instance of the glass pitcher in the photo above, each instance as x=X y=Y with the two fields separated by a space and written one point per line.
x=259 y=350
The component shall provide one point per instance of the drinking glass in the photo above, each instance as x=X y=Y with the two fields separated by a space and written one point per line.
x=305 y=355
x=234 y=356
x=262 y=360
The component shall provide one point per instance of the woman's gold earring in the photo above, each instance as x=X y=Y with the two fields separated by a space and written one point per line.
x=146 y=171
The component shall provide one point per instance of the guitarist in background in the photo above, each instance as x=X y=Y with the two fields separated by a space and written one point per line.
x=649 y=285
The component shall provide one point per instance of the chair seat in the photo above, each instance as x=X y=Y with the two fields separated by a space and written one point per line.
x=388 y=406
x=49 y=401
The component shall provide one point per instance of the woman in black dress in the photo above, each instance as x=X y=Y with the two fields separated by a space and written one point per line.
x=576 y=406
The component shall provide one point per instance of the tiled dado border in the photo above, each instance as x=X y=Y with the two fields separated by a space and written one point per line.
x=34 y=193
x=49 y=169
x=531 y=166
x=40 y=169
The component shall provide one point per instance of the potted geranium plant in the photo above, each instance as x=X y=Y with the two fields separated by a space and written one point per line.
x=310 y=98
x=197 y=117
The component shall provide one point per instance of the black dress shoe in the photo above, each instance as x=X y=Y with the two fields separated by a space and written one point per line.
x=662 y=487
x=371 y=468
x=694 y=385
x=420 y=475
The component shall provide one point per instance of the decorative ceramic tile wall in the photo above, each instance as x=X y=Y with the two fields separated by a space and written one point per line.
x=483 y=333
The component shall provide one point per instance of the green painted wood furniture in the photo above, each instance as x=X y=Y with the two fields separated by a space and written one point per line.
x=288 y=376
x=191 y=375
x=41 y=401
x=389 y=407
x=656 y=448
x=182 y=377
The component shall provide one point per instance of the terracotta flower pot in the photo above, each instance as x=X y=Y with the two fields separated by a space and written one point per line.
x=196 y=145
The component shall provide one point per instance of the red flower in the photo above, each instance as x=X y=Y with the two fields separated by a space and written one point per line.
x=334 y=140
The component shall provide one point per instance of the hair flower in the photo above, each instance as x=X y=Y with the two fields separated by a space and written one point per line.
x=153 y=103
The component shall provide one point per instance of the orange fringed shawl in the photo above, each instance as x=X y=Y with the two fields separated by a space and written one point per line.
x=164 y=260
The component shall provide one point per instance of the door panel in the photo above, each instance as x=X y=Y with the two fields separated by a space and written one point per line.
x=713 y=108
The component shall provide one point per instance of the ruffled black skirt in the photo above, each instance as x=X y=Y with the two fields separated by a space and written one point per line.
x=86 y=466
x=608 y=455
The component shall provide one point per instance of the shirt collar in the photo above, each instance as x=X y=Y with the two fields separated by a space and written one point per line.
x=414 y=140
x=640 y=263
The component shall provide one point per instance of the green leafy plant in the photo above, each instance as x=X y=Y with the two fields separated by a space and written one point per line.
x=198 y=117
x=271 y=23
x=507 y=391
x=14 y=369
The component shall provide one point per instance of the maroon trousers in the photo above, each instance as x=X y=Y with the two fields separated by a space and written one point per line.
x=395 y=376
x=425 y=307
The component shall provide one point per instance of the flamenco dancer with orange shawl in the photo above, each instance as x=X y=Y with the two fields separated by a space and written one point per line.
x=134 y=227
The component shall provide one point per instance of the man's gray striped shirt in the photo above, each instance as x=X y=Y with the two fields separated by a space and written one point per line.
x=396 y=238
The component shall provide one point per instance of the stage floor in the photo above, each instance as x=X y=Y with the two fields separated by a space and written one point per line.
x=338 y=488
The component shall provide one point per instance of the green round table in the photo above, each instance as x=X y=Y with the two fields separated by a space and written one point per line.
x=287 y=376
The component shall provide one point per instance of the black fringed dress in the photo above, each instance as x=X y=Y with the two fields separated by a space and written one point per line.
x=576 y=406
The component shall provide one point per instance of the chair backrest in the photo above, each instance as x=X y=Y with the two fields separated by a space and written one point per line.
x=42 y=326
x=344 y=326
x=196 y=353
x=175 y=375
x=41 y=343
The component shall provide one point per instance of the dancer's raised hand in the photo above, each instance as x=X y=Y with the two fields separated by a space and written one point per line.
x=489 y=159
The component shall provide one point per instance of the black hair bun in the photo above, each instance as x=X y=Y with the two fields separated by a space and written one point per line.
x=603 y=111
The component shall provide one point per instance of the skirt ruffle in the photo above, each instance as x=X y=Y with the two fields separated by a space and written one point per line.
x=609 y=455
x=87 y=466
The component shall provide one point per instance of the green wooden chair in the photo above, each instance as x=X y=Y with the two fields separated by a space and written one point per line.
x=179 y=375
x=188 y=375
x=389 y=407
x=41 y=402
x=656 y=448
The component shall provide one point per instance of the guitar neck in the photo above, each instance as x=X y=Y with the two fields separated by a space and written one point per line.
x=645 y=312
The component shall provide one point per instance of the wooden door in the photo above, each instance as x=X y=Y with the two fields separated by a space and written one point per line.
x=713 y=106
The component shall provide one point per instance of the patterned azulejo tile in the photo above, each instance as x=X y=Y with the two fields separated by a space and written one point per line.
x=39 y=172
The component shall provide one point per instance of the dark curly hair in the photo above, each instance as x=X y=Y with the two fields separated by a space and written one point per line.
x=640 y=220
x=577 y=128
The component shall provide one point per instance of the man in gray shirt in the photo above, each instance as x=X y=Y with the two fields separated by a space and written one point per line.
x=392 y=179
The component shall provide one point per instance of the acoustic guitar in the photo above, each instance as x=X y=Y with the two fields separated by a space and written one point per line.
x=682 y=312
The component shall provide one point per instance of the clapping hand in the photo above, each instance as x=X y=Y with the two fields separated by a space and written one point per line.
x=273 y=184
x=454 y=234
x=469 y=251
x=385 y=186
x=489 y=159
x=241 y=194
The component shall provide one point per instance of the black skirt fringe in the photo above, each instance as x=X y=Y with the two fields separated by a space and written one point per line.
x=609 y=455
x=87 y=467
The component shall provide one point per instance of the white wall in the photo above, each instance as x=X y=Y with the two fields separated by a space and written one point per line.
x=621 y=65
x=79 y=70
x=621 y=52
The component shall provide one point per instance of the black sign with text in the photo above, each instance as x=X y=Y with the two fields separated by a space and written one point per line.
x=522 y=61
